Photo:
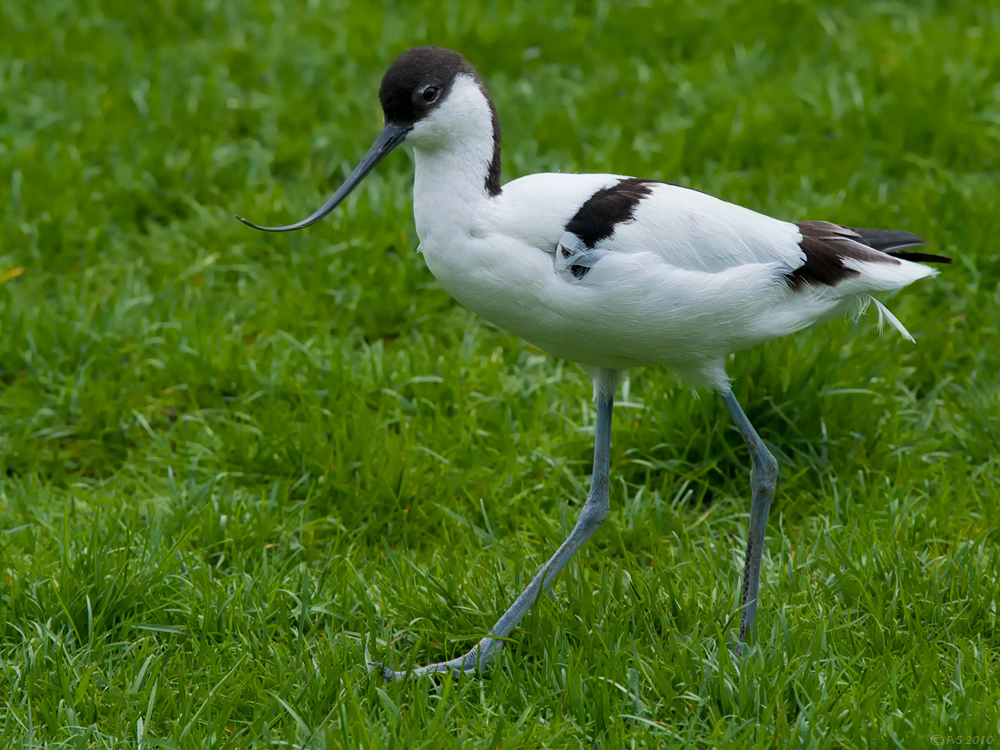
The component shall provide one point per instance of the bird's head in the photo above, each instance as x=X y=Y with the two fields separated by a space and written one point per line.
x=430 y=97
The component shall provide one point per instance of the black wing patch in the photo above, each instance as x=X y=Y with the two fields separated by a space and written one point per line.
x=607 y=208
x=827 y=245
x=596 y=220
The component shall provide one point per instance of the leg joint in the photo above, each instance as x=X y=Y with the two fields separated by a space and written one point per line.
x=765 y=467
x=595 y=511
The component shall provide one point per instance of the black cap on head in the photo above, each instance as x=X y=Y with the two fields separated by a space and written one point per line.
x=418 y=80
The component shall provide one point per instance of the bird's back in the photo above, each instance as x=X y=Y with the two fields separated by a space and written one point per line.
x=691 y=230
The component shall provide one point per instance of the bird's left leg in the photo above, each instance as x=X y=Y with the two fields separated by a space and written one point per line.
x=592 y=515
x=763 y=475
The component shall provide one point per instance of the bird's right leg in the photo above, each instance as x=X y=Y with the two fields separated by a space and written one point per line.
x=592 y=515
x=763 y=475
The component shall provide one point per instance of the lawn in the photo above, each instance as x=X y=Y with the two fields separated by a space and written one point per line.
x=237 y=467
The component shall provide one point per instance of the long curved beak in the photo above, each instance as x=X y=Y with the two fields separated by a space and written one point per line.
x=390 y=137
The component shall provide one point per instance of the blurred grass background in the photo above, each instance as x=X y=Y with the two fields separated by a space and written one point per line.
x=236 y=467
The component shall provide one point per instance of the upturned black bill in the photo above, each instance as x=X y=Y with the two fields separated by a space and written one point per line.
x=390 y=137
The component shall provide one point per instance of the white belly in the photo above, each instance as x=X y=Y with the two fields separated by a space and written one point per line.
x=630 y=310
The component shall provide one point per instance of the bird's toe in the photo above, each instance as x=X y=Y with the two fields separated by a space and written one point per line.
x=388 y=674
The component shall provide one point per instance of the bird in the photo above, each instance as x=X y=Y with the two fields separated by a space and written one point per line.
x=613 y=272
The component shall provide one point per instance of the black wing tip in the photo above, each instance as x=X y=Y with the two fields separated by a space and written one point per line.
x=918 y=257
x=896 y=243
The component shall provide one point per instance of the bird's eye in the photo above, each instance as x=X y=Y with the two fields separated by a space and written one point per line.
x=430 y=94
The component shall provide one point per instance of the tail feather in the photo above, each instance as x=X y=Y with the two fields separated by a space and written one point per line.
x=917 y=257
x=883 y=311
x=894 y=242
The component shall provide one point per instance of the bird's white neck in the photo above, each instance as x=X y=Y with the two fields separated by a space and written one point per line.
x=457 y=164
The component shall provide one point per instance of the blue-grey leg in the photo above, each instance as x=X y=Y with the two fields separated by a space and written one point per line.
x=592 y=515
x=763 y=475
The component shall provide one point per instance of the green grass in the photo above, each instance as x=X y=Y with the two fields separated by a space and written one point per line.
x=235 y=467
